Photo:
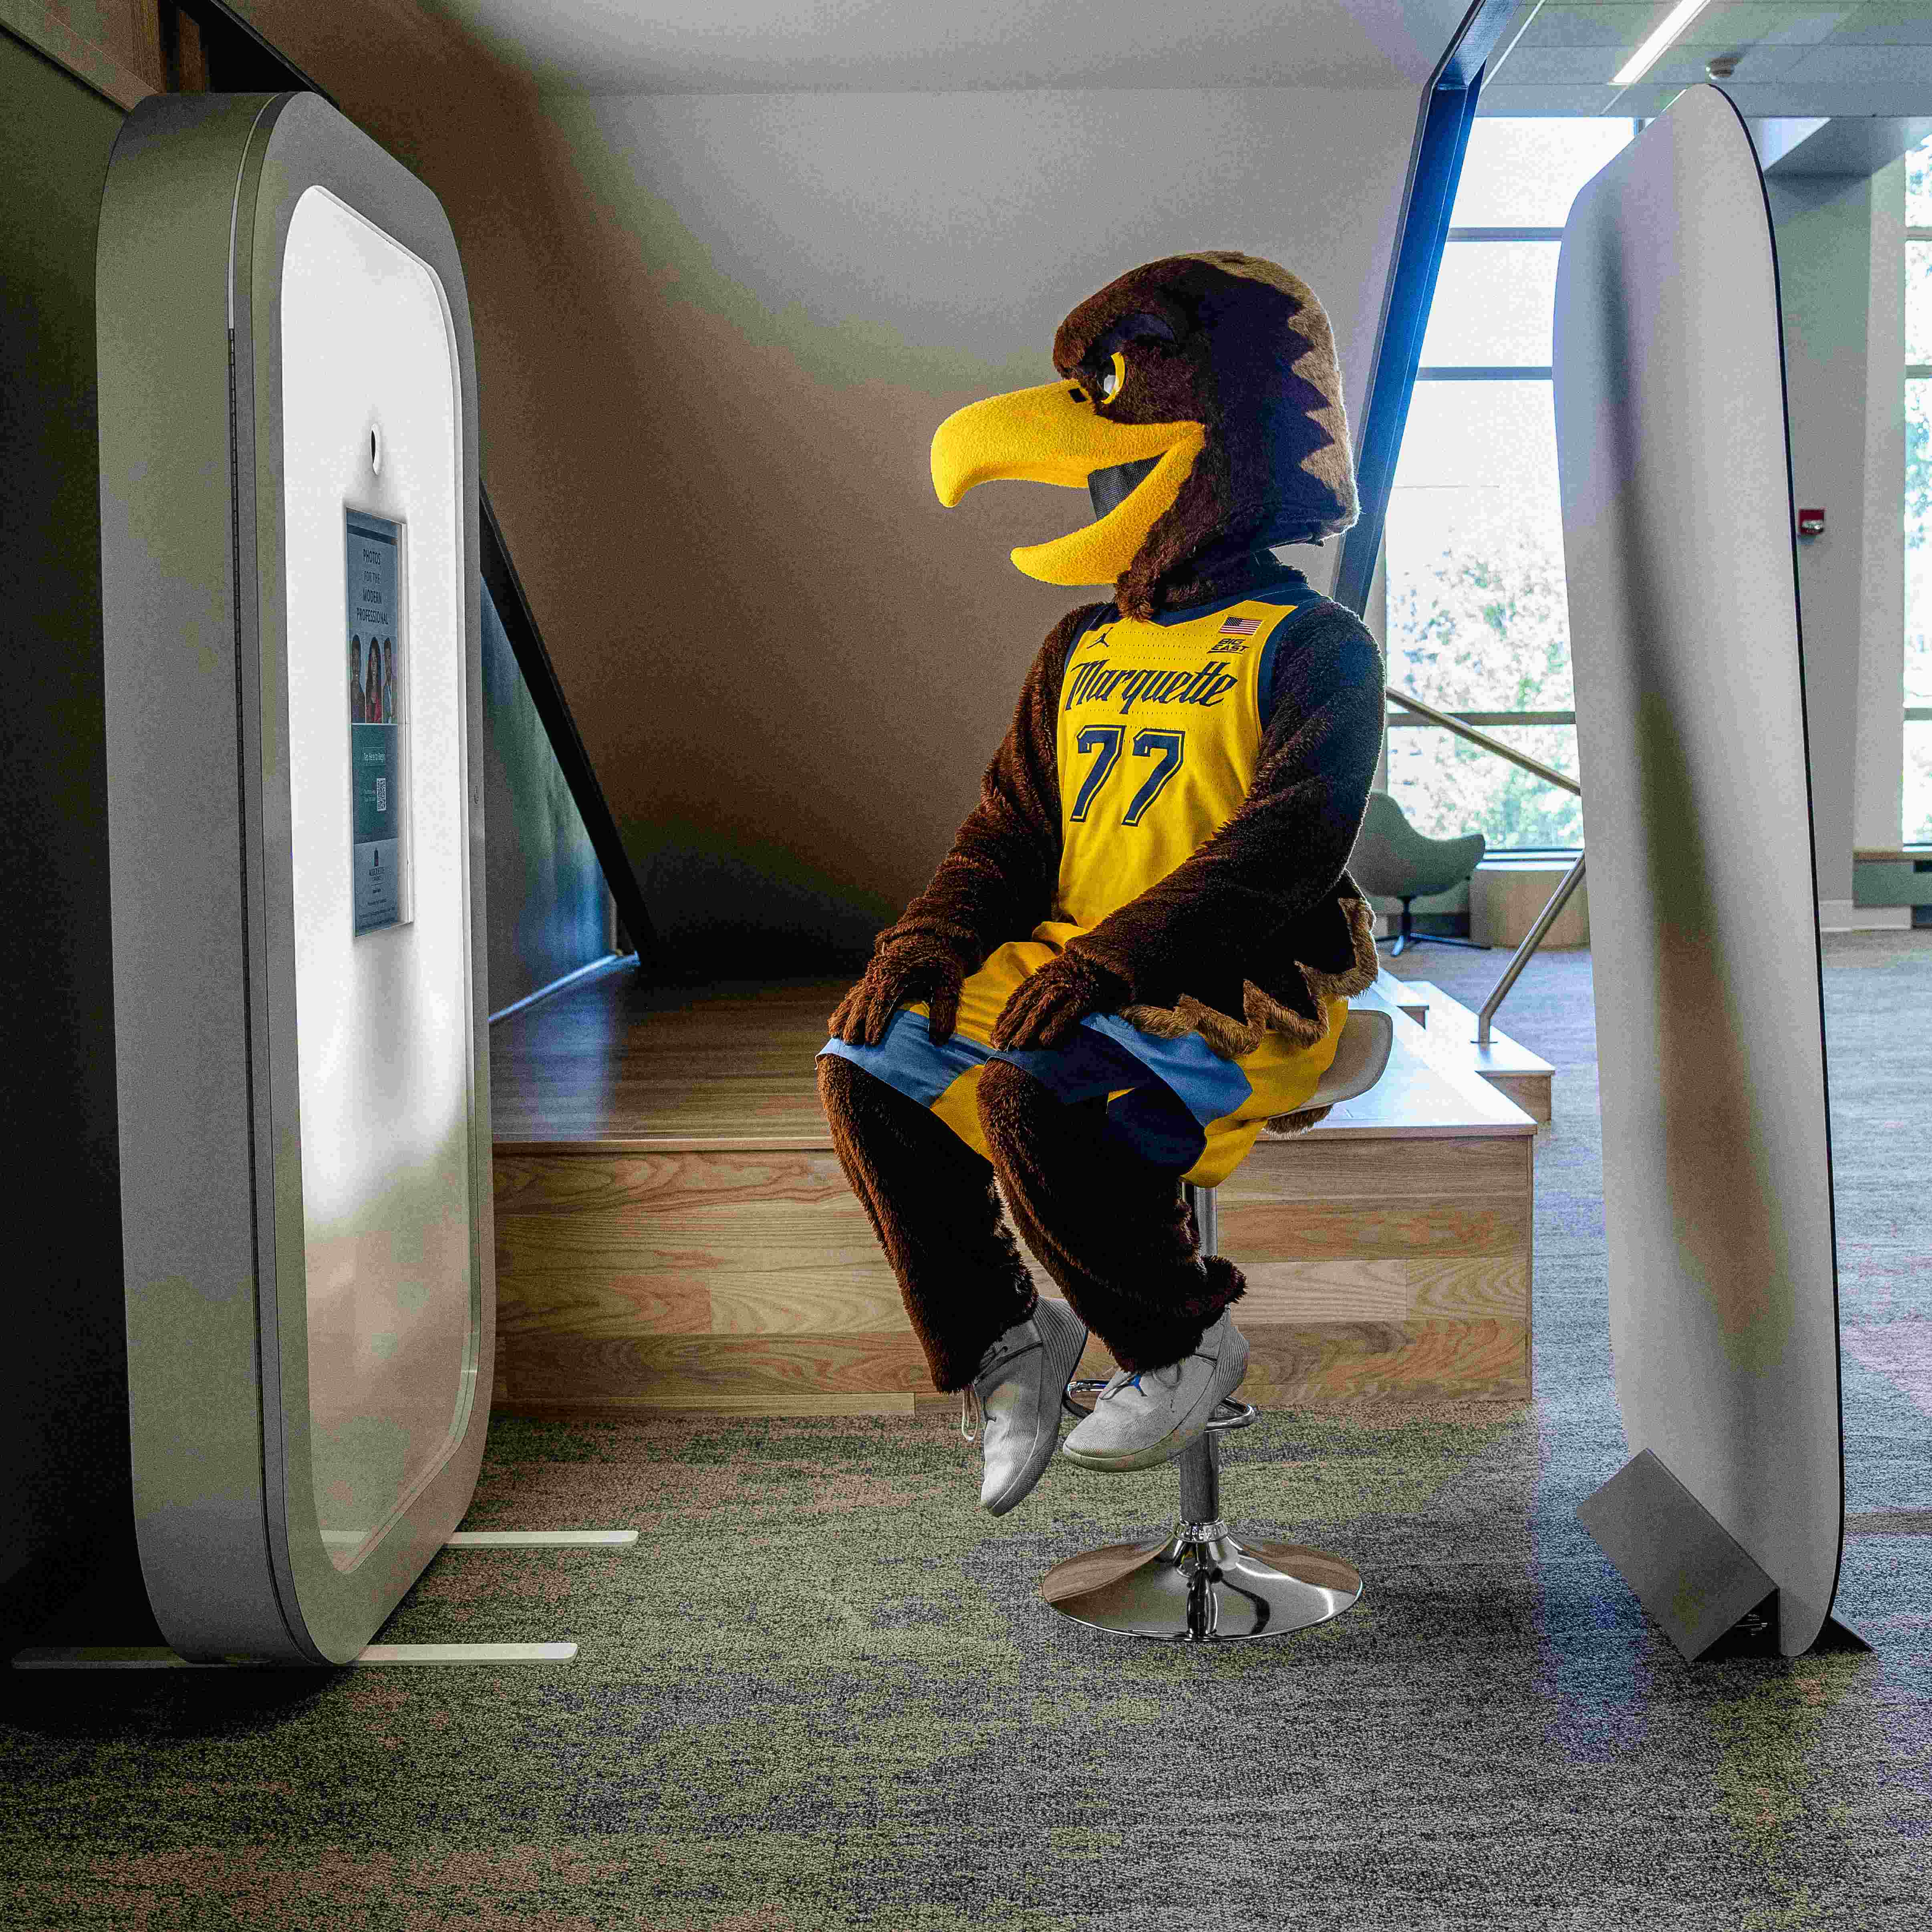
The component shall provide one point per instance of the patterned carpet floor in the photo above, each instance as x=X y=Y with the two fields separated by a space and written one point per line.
x=822 y=1692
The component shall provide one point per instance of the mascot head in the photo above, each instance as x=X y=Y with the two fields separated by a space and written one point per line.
x=1200 y=406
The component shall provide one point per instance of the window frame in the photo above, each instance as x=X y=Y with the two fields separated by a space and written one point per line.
x=1911 y=372
x=1915 y=372
x=1396 y=718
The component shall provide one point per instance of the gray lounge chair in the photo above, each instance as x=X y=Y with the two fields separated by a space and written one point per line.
x=1393 y=860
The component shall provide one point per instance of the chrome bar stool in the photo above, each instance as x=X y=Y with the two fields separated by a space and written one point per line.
x=1199 y=1584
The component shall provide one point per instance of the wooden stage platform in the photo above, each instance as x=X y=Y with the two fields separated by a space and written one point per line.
x=674 y=1231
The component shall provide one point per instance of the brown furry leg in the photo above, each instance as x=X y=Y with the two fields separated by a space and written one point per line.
x=1114 y=1232
x=931 y=1203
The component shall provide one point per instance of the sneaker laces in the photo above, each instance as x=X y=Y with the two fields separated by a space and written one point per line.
x=1003 y=1349
x=1168 y=1376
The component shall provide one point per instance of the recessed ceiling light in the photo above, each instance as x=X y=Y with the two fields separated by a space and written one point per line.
x=1672 y=24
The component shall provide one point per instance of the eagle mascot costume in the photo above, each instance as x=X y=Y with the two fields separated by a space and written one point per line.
x=1138 y=952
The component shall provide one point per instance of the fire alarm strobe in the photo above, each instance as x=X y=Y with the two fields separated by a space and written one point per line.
x=1810 y=523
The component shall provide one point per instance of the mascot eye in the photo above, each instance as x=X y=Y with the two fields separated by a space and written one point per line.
x=1112 y=383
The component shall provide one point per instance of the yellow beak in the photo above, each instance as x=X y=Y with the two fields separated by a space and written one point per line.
x=1045 y=436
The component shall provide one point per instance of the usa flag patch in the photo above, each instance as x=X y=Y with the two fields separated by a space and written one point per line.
x=1241 y=627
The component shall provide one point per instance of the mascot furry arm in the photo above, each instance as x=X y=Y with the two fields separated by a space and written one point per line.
x=1201 y=404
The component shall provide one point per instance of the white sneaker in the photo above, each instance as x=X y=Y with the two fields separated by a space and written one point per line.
x=1152 y=1415
x=1019 y=1388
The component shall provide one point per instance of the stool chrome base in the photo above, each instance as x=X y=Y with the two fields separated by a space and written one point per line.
x=1201 y=1586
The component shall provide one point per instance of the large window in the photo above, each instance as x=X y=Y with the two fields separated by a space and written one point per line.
x=1477 y=623
x=1918 y=813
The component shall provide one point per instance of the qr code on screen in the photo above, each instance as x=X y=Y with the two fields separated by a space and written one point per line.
x=382 y=794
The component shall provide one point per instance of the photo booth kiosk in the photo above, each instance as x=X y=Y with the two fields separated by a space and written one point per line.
x=291 y=600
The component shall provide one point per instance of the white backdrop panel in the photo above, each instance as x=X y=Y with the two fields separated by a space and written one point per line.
x=384 y=1018
x=1671 y=438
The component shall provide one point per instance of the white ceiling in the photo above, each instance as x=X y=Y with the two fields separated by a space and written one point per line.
x=1796 y=57
x=758 y=46
x=1854 y=57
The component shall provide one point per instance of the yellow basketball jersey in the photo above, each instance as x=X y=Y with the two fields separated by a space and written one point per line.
x=1159 y=731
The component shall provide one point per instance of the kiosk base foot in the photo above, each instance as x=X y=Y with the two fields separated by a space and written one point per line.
x=1688 y=1570
x=158 y=1657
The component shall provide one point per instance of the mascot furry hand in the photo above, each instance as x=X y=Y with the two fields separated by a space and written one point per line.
x=1164 y=834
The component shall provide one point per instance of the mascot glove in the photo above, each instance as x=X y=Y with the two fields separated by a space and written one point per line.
x=1048 y=1007
x=915 y=967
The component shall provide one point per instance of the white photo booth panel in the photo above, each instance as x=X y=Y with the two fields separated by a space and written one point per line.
x=1672 y=449
x=304 y=1107
x=369 y=420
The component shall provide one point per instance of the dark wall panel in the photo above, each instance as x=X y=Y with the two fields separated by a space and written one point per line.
x=65 y=1498
x=548 y=901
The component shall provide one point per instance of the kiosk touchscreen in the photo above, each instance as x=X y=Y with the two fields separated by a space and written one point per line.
x=373 y=598
x=289 y=496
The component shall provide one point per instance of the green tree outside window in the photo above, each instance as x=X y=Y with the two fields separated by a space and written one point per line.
x=1478 y=615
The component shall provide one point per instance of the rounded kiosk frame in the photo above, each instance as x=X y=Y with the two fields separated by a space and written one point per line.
x=200 y=194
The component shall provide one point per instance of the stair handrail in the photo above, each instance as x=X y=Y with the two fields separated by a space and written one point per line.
x=1548 y=773
x=1571 y=880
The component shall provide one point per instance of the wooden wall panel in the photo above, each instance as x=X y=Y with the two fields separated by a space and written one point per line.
x=678 y=1370
x=751 y=1279
x=567 y=1183
x=1398 y=1229
x=114 y=46
x=1312 y=1168
x=1465 y=1288
x=1341 y=1361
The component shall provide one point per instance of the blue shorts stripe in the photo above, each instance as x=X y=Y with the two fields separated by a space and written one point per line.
x=907 y=1058
x=1175 y=1087
x=1209 y=1087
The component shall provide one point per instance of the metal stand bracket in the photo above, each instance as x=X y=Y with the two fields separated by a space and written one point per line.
x=1694 y=1578
x=158 y=1657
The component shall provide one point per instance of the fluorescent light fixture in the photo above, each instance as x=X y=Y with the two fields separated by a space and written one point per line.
x=1673 y=23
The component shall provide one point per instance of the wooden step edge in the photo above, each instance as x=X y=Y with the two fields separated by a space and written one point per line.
x=1530 y=1091
x=1490 y=1111
x=1411 y=996
x=1331 y=1129
x=1456 y=1032
x=1483 y=1110
x=1455 y=1028
x=1518 y=1122
x=1505 y=1066
x=820 y=1143
x=1419 y=1040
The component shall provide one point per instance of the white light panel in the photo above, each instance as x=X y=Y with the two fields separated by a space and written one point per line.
x=384 y=1035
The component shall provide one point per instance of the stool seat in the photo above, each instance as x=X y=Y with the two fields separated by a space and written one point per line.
x=1361 y=1058
x=1199 y=1584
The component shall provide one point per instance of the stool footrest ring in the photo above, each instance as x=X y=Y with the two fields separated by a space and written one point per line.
x=1228 y=1414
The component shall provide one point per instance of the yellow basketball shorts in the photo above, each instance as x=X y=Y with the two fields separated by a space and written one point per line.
x=1175 y=1103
